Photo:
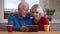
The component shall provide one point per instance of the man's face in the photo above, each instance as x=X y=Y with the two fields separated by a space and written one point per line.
x=23 y=10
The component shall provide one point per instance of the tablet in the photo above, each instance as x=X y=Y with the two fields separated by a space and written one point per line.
x=33 y=28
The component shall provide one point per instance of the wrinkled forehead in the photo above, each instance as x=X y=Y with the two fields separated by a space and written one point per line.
x=34 y=9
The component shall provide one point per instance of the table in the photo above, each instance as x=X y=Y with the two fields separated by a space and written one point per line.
x=40 y=32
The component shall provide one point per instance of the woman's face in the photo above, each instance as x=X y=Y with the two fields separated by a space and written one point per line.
x=35 y=13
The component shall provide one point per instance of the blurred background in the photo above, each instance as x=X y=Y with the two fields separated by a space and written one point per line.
x=8 y=7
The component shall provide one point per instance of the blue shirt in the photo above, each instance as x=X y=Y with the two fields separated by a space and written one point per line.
x=17 y=23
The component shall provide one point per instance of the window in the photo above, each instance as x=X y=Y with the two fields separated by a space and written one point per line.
x=10 y=6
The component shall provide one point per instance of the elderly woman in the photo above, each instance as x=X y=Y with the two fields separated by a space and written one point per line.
x=38 y=17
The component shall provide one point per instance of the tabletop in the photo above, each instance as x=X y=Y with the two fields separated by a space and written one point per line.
x=39 y=32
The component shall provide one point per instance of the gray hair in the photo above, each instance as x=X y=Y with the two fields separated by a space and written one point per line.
x=22 y=3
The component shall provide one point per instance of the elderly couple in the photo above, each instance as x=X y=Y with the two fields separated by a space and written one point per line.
x=20 y=20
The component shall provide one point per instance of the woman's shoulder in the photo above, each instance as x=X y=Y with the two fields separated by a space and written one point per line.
x=44 y=17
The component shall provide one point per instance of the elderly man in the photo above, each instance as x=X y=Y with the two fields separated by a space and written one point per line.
x=20 y=20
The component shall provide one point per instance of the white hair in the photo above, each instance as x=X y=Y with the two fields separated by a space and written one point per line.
x=40 y=10
x=22 y=3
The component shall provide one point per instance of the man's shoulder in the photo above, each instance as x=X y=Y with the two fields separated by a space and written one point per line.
x=13 y=15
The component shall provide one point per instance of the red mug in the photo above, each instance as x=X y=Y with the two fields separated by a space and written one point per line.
x=9 y=28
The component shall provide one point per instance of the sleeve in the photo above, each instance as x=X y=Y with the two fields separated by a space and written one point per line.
x=11 y=22
x=47 y=22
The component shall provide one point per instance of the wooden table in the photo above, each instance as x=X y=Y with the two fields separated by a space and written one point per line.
x=40 y=32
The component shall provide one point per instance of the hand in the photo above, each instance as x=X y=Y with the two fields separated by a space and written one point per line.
x=24 y=29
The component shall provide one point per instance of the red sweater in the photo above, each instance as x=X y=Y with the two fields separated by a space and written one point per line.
x=41 y=23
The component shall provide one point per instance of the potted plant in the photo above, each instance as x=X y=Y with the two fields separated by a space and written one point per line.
x=50 y=13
